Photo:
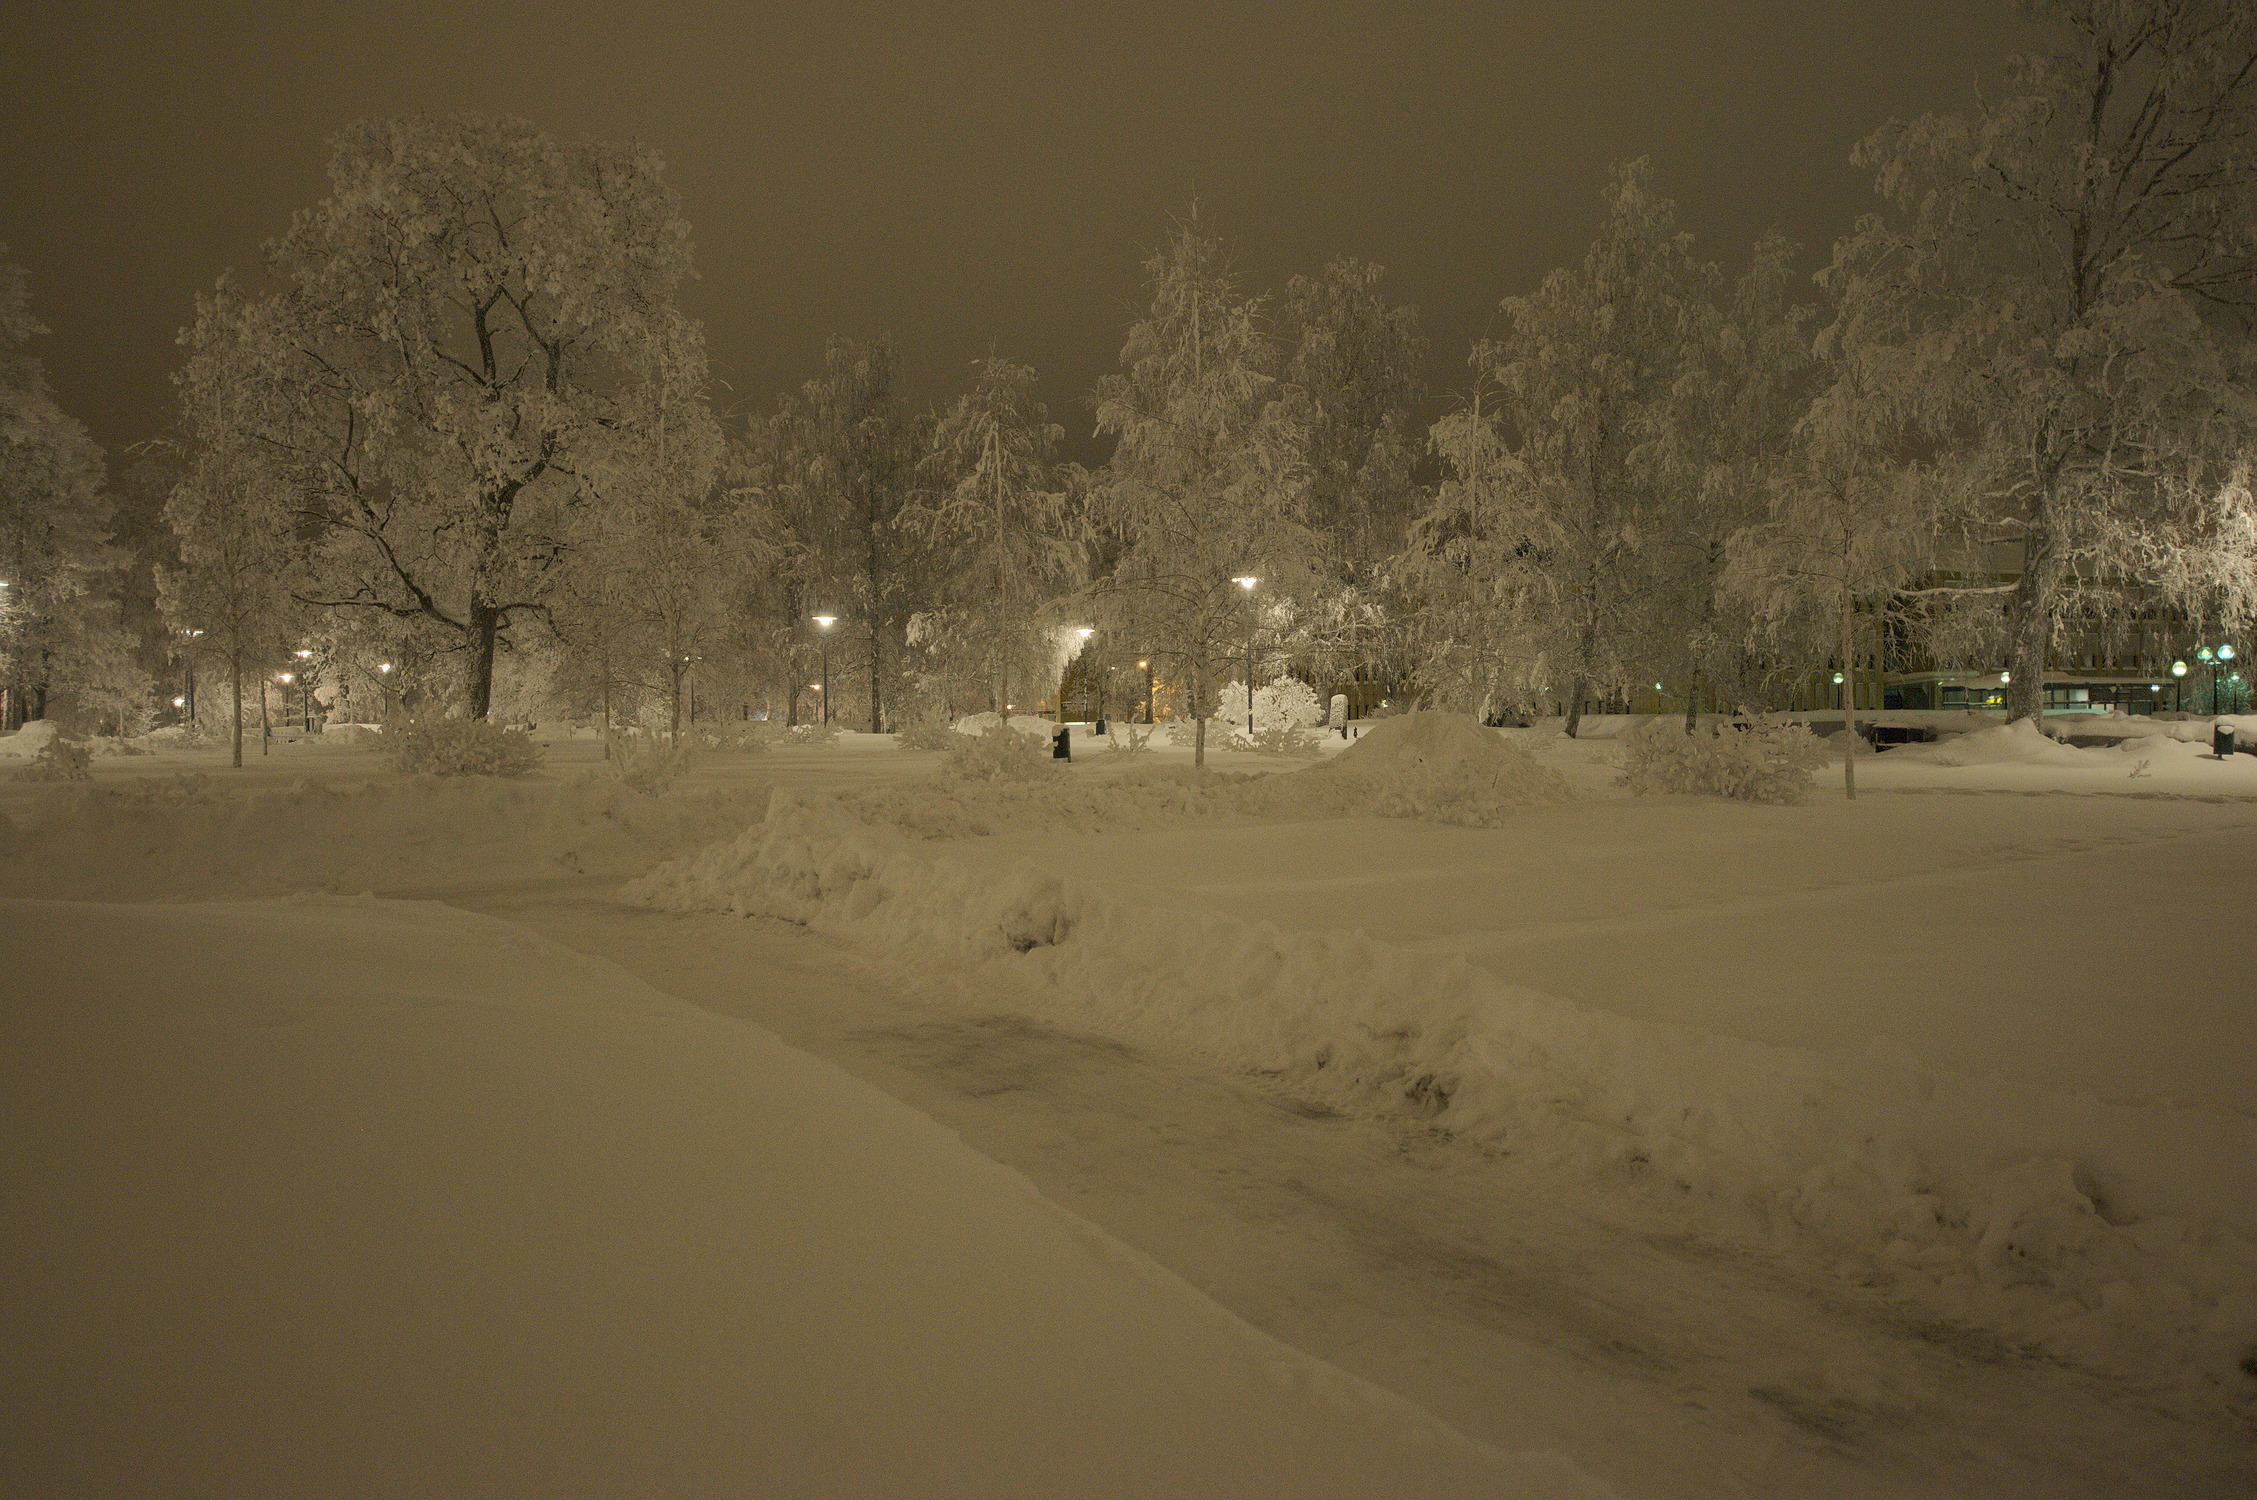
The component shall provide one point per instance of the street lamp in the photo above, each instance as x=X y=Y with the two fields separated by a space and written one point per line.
x=2225 y=654
x=1247 y=583
x=1145 y=666
x=824 y=687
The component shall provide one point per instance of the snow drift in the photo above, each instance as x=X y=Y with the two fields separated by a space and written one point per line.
x=2121 y=1236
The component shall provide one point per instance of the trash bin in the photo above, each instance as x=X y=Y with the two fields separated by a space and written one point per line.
x=2221 y=740
x=1061 y=747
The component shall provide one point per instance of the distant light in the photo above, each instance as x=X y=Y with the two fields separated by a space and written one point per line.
x=2155 y=687
x=1084 y=631
x=817 y=686
x=2178 y=669
x=2006 y=677
x=286 y=677
x=1657 y=686
x=1837 y=680
x=2203 y=654
x=180 y=703
x=2225 y=652
x=826 y=621
x=383 y=666
x=1246 y=583
x=302 y=655
x=1144 y=664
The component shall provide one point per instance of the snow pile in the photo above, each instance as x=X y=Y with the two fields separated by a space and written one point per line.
x=999 y=753
x=2122 y=1236
x=191 y=835
x=460 y=1212
x=1443 y=768
x=1761 y=763
x=1024 y=723
x=2018 y=743
x=28 y=741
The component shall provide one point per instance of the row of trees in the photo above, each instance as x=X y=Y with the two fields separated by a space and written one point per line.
x=465 y=421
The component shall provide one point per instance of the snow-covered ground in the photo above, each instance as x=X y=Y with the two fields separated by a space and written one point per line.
x=376 y=1198
x=1960 y=1073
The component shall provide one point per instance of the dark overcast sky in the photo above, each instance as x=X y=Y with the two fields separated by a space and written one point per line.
x=961 y=174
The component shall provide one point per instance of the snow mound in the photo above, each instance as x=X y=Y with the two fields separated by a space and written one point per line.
x=2121 y=1236
x=2018 y=743
x=196 y=836
x=28 y=741
x=1024 y=723
x=1443 y=768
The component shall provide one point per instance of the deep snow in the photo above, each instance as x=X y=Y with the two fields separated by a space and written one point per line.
x=370 y=1198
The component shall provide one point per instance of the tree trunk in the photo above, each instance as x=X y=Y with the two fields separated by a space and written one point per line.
x=235 y=721
x=1575 y=707
x=877 y=705
x=1198 y=722
x=2029 y=625
x=1849 y=696
x=673 y=706
x=266 y=729
x=478 y=679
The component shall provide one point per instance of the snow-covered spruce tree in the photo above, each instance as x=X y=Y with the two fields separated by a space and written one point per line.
x=1584 y=373
x=60 y=640
x=2058 y=296
x=465 y=329
x=1206 y=481
x=997 y=520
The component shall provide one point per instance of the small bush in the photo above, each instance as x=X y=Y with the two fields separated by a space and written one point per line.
x=1758 y=763
x=1127 y=739
x=59 y=760
x=647 y=763
x=999 y=753
x=1295 y=740
x=927 y=732
x=742 y=736
x=461 y=747
x=815 y=734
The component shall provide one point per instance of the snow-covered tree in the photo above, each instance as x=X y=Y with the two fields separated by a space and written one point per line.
x=2059 y=297
x=467 y=328
x=1556 y=535
x=59 y=633
x=843 y=461
x=1353 y=370
x=998 y=515
x=229 y=597
x=1725 y=436
x=1207 y=478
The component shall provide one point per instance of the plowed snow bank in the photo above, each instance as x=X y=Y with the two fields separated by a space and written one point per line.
x=2121 y=1236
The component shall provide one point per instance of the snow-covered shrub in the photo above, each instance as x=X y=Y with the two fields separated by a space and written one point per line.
x=646 y=763
x=745 y=736
x=461 y=747
x=1441 y=768
x=1296 y=740
x=1288 y=703
x=1127 y=739
x=1183 y=733
x=1000 y=753
x=814 y=734
x=926 y=732
x=59 y=760
x=1759 y=763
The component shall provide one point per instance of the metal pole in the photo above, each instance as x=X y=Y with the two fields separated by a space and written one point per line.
x=826 y=677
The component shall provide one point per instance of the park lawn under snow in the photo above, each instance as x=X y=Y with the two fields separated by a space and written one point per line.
x=353 y=1198
x=1923 y=1037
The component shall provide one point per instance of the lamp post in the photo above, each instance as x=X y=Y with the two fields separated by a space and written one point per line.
x=384 y=677
x=2209 y=658
x=2178 y=680
x=1145 y=666
x=305 y=694
x=2225 y=655
x=826 y=622
x=1247 y=583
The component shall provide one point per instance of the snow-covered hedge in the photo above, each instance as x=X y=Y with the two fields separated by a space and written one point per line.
x=1759 y=763
x=927 y=732
x=59 y=759
x=461 y=747
x=1001 y=752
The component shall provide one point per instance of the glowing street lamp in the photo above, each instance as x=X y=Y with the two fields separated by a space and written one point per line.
x=1145 y=666
x=824 y=687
